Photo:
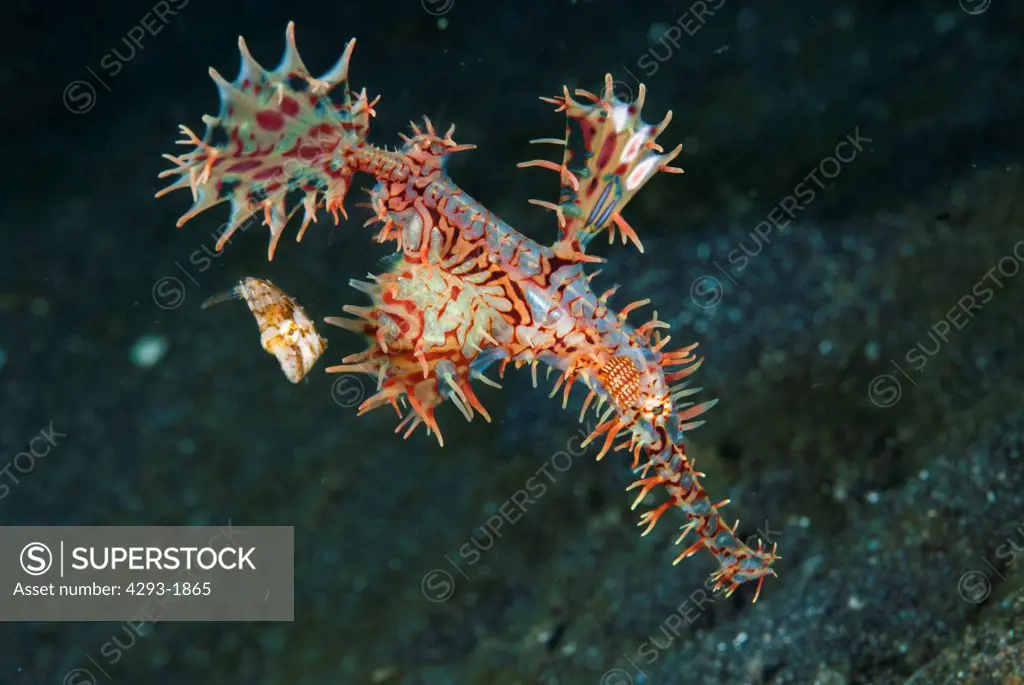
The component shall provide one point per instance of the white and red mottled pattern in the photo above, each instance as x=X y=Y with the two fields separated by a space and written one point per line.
x=465 y=290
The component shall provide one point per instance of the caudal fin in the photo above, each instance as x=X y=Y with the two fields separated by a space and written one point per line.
x=280 y=132
x=610 y=153
x=738 y=563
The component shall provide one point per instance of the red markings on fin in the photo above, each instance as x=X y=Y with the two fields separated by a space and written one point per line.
x=289 y=106
x=269 y=119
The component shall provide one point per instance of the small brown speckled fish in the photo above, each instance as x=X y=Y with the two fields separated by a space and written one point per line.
x=285 y=330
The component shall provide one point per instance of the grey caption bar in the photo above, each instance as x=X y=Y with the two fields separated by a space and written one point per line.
x=150 y=573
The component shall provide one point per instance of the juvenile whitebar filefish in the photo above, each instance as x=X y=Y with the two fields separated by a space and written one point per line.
x=285 y=330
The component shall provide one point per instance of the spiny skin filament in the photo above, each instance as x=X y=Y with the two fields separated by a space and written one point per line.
x=465 y=291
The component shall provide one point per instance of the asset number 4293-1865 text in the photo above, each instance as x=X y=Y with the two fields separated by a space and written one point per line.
x=180 y=589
